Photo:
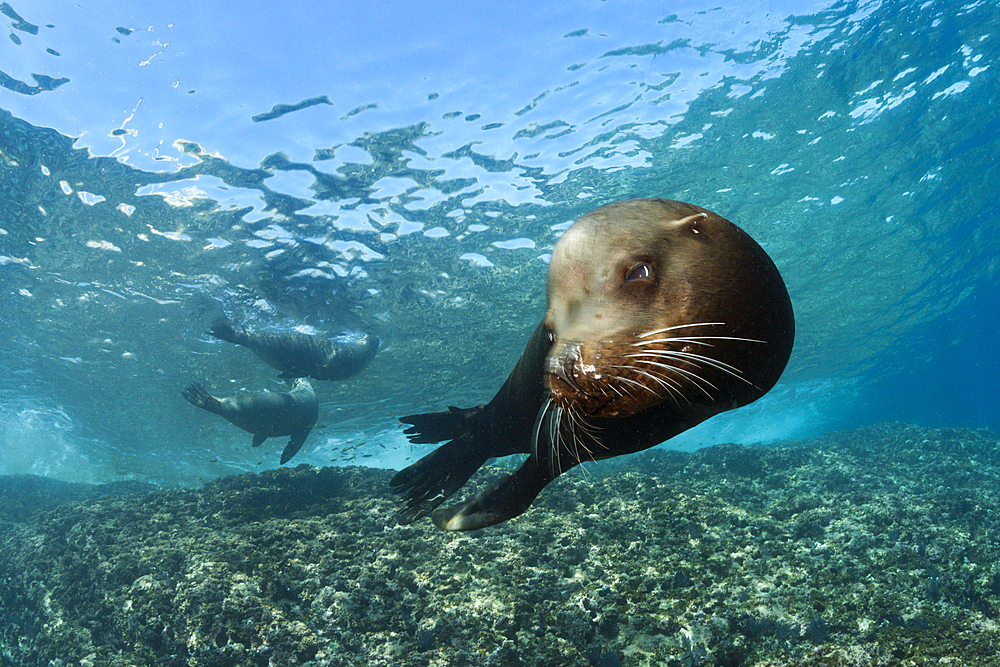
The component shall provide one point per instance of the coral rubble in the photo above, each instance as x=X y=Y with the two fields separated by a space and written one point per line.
x=871 y=547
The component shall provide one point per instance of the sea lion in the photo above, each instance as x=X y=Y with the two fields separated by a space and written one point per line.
x=302 y=355
x=660 y=315
x=268 y=414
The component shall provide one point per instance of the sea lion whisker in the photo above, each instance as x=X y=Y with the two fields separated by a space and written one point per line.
x=686 y=357
x=576 y=427
x=556 y=442
x=628 y=391
x=582 y=425
x=680 y=326
x=574 y=439
x=625 y=391
x=714 y=363
x=662 y=341
x=662 y=380
x=660 y=354
x=579 y=444
x=672 y=387
x=541 y=417
x=678 y=369
x=672 y=392
x=550 y=418
x=570 y=441
x=630 y=381
x=558 y=439
x=615 y=389
x=697 y=340
x=695 y=379
x=633 y=383
x=589 y=429
x=581 y=430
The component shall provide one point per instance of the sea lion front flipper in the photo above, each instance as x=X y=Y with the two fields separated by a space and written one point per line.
x=258 y=440
x=511 y=497
x=431 y=427
x=428 y=482
x=294 y=445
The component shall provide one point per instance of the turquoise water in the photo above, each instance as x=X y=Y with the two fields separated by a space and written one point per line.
x=407 y=171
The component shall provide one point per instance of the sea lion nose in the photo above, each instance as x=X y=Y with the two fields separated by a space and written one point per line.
x=564 y=366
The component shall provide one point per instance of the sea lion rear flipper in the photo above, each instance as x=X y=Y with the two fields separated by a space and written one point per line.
x=294 y=445
x=428 y=482
x=258 y=440
x=222 y=329
x=196 y=395
x=511 y=497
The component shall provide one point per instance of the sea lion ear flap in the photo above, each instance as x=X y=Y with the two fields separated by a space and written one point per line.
x=694 y=223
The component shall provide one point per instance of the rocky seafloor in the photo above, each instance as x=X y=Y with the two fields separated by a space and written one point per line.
x=879 y=546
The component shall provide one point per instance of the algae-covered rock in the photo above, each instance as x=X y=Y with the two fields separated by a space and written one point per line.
x=870 y=547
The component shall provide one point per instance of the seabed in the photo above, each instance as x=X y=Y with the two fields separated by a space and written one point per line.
x=879 y=546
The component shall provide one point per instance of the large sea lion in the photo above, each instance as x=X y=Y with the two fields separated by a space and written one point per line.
x=267 y=414
x=302 y=355
x=660 y=315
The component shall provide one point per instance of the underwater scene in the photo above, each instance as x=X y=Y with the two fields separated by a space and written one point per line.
x=590 y=334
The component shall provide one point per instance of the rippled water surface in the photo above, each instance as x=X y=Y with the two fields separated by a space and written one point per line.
x=406 y=172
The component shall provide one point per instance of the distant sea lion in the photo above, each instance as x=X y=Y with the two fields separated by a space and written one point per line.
x=660 y=315
x=267 y=414
x=301 y=355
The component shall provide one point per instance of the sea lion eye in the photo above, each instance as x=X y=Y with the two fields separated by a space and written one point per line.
x=550 y=334
x=638 y=272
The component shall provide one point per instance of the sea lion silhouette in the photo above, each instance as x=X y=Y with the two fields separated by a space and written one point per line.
x=266 y=414
x=303 y=355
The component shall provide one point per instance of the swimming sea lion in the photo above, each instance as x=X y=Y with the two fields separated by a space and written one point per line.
x=267 y=414
x=660 y=315
x=301 y=355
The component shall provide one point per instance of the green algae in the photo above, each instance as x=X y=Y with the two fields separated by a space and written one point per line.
x=871 y=547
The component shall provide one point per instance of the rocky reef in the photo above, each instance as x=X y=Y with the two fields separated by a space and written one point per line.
x=879 y=546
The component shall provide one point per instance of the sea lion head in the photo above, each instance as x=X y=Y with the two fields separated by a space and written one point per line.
x=653 y=300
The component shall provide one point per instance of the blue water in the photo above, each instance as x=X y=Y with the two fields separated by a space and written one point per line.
x=407 y=169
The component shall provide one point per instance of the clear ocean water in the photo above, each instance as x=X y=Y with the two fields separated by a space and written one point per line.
x=405 y=169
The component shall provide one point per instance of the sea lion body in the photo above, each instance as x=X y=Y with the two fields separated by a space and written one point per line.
x=265 y=414
x=660 y=315
x=302 y=355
